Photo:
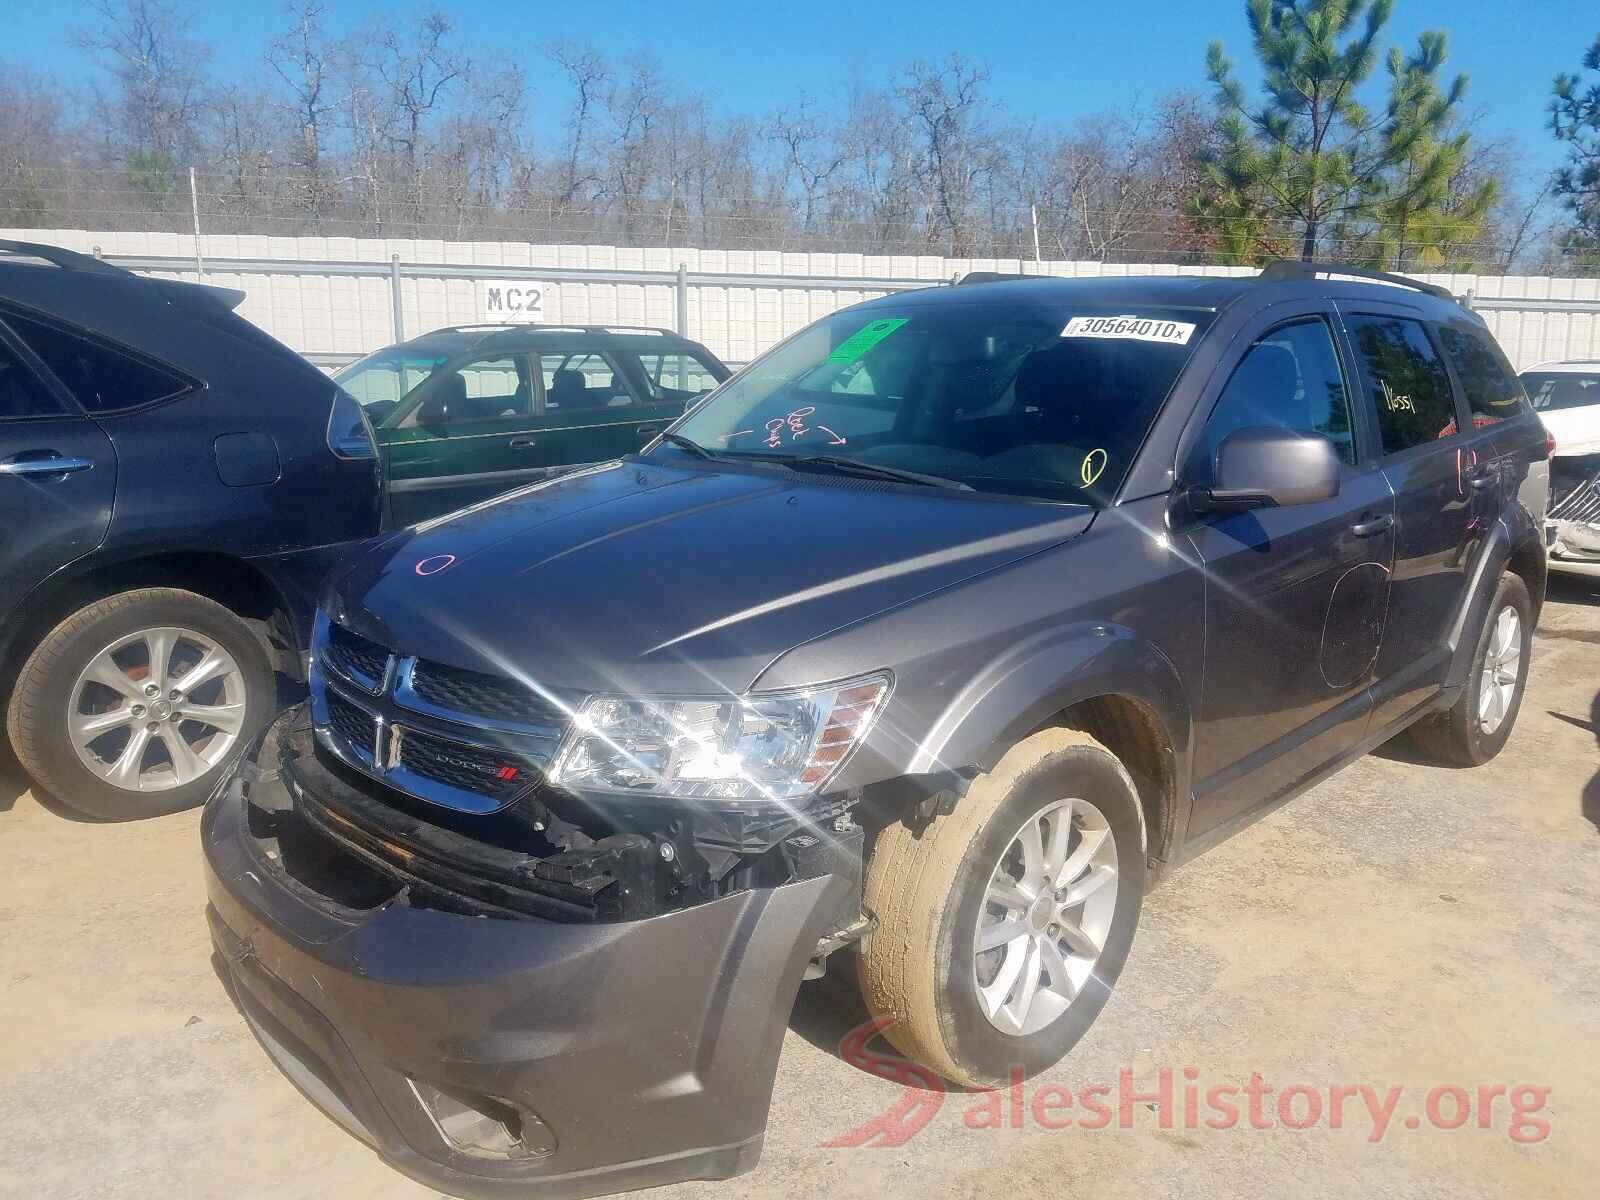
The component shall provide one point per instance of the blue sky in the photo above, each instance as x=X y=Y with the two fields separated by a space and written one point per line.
x=1053 y=61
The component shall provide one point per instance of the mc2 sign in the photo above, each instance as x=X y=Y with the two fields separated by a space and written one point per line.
x=512 y=300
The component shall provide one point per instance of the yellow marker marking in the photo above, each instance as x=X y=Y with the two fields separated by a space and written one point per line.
x=1093 y=464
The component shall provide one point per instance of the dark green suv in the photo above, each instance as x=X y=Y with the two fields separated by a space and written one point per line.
x=465 y=413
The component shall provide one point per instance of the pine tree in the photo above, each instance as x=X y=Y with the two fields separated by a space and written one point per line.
x=1434 y=210
x=1311 y=167
x=1575 y=119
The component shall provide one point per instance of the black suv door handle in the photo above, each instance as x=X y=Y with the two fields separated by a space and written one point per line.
x=522 y=443
x=1370 y=528
x=53 y=464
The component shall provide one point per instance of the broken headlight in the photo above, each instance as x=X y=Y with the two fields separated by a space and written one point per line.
x=772 y=746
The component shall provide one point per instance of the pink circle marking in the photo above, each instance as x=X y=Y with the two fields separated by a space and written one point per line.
x=432 y=566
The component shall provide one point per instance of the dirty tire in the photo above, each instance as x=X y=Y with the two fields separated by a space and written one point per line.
x=40 y=700
x=1455 y=737
x=927 y=889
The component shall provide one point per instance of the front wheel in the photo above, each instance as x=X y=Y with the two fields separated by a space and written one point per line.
x=132 y=706
x=1002 y=927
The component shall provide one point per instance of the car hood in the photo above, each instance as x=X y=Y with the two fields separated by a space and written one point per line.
x=644 y=578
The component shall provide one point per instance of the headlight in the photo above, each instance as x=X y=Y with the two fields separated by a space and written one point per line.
x=772 y=746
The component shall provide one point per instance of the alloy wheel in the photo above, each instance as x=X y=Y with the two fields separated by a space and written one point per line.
x=156 y=709
x=1502 y=660
x=1045 y=916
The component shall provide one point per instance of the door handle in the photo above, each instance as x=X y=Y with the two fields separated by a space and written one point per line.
x=1373 y=527
x=648 y=430
x=523 y=443
x=53 y=465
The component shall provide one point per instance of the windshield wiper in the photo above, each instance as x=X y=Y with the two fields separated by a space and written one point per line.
x=692 y=447
x=867 y=470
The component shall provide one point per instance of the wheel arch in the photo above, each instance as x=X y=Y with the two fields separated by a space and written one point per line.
x=1103 y=679
x=232 y=582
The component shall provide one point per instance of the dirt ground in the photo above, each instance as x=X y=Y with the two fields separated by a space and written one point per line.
x=1400 y=925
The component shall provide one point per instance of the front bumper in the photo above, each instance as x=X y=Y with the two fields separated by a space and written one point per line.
x=638 y=1053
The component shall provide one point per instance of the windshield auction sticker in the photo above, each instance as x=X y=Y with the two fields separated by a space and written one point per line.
x=1134 y=328
x=865 y=338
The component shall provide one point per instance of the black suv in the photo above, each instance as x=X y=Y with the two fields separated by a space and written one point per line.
x=941 y=631
x=174 y=485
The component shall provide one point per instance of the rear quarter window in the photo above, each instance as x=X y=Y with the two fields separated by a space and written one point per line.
x=1492 y=391
x=103 y=380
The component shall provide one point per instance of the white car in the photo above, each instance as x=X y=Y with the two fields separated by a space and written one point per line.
x=1566 y=395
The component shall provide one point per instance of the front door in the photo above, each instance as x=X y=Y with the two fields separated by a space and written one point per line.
x=593 y=411
x=58 y=474
x=465 y=435
x=1436 y=463
x=1295 y=596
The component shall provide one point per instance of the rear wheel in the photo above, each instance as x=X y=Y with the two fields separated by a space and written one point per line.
x=132 y=706
x=1477 y=727
x=1002 y=927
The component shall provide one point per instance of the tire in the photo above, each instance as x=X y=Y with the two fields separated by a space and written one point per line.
x=1461 y=736
x=920 y=968
x=54 y=687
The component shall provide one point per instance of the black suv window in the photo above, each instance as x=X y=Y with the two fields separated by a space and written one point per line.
x=1406 y=379
x=103 y=380
x=21 y=393
x=1492 y=392
x=1289 y=379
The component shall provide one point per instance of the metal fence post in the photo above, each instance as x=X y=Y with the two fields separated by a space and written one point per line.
x=394 y=298
x=683 y=300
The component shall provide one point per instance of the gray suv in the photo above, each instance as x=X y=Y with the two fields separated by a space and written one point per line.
x=935 y=637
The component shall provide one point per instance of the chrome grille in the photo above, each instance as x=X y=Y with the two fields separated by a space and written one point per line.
x=474 y=694
x=497 y=774
x=357 y=658
x=1581 y=504
x=352 y=723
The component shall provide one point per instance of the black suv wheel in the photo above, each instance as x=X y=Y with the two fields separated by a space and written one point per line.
x=132 y=706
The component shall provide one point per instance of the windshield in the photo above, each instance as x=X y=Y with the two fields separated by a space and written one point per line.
x=380 y=381
x=1551 y=390
x=1039 y=401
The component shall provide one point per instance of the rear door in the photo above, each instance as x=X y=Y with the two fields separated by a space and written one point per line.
x=1444 y=483
x=593 y=408
x=58 y=475
x=1295 y=596
x=467 y=434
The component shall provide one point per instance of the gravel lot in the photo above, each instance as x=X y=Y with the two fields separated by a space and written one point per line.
x=1399 y=925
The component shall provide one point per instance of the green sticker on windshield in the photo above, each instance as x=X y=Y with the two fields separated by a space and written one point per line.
x=865 y=338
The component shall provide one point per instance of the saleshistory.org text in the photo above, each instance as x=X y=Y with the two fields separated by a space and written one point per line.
x=1178 y=1098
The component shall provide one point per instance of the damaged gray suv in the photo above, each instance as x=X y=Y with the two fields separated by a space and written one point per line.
x=934 y=637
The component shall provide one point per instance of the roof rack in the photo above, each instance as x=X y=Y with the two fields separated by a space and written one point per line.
x=493 y=327
x=1287 y=269
x=67 y=260
x=994 y=277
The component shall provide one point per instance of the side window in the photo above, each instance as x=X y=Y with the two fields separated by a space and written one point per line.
x=582 y=380
x=21 y=393
x=103 y=380
x=676 y=376
x=1289 y=379
x=483 y=390
x=1406 y=379
x=1493 y=393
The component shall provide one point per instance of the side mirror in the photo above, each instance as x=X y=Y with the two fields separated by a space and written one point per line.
x=1269 y=467
x=433 y=411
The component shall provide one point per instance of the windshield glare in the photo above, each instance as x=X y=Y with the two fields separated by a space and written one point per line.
x=1549 y=391
x=1038 y=401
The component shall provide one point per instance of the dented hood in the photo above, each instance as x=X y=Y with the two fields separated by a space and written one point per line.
x=642 y=578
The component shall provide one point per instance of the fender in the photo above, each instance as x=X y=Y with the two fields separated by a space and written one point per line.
x=1053 y=670
x=1512 y=532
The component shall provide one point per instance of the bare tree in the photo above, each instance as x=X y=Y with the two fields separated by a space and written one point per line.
x=946 y=105
x=304 y=61
x=811 y=153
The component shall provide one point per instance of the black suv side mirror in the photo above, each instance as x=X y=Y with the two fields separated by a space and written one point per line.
x=1266 y=467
